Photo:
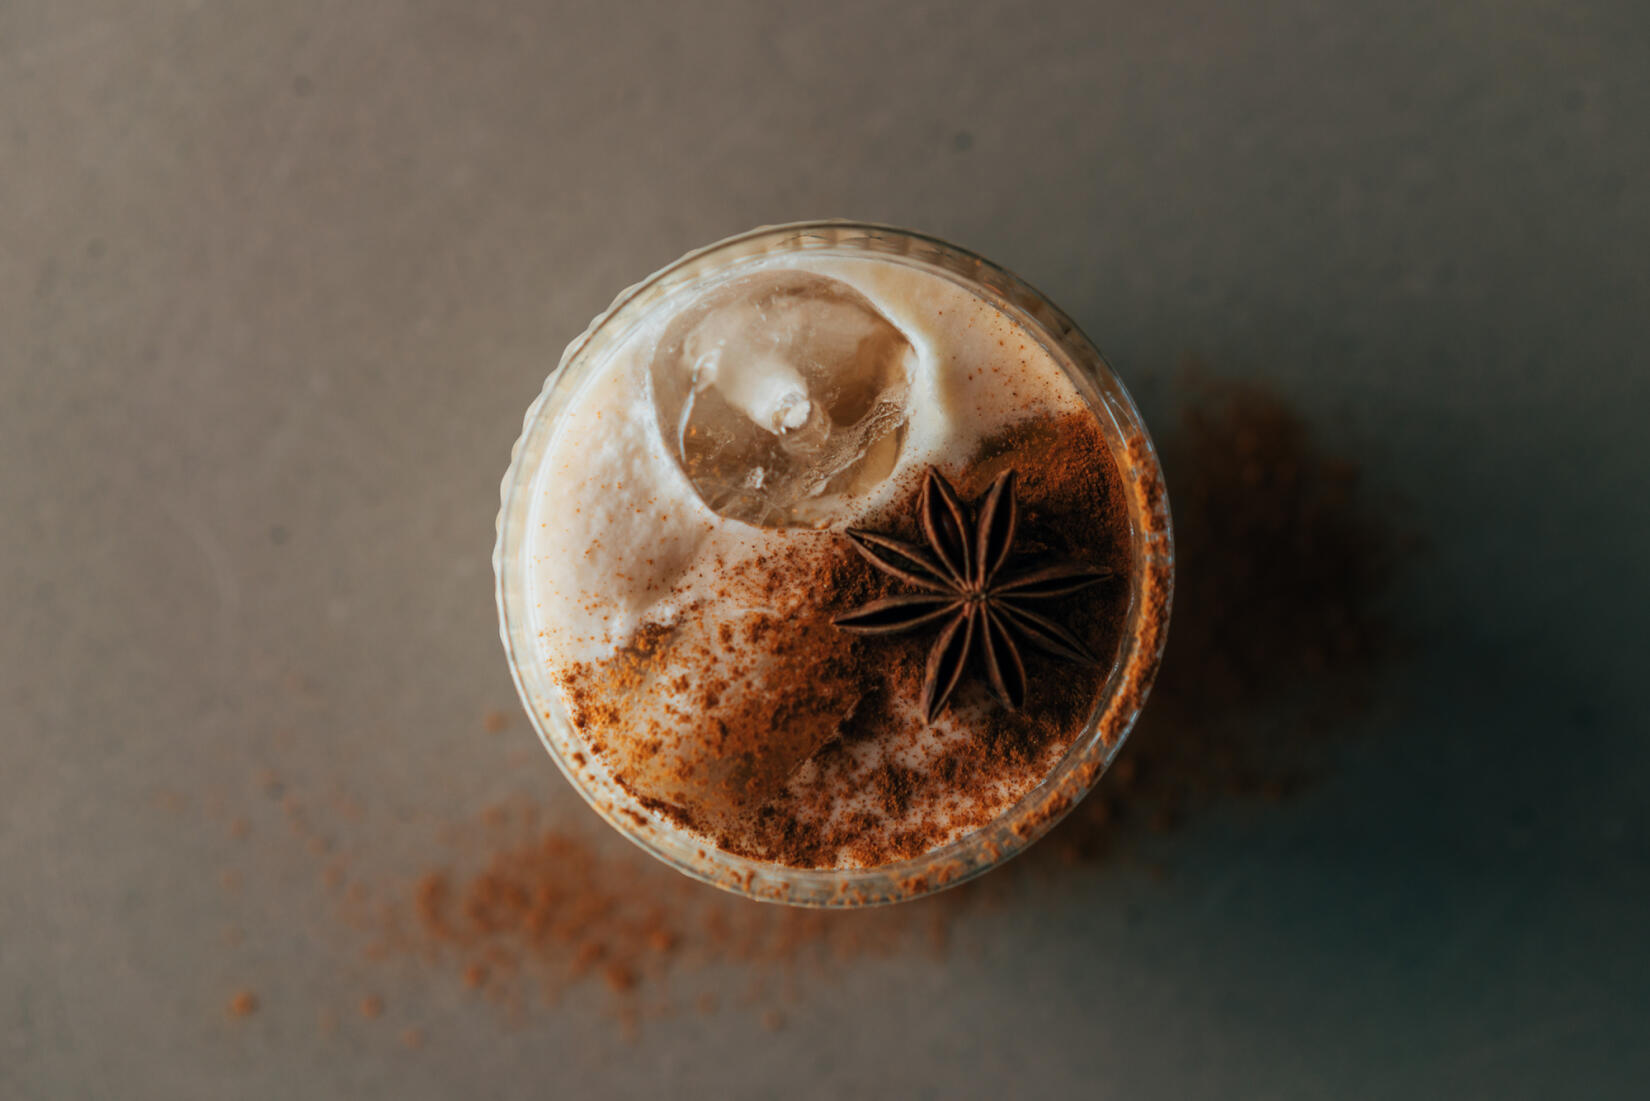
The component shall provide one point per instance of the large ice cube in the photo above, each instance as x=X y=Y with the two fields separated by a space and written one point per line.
x=781 y=393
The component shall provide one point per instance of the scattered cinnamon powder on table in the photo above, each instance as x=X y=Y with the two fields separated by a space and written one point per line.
x=548 y=908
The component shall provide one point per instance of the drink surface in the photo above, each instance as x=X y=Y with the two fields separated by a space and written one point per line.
x=687 y=557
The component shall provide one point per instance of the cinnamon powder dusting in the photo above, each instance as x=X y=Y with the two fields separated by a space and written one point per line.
x=755 y=722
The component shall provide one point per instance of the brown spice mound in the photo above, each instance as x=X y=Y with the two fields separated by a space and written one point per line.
x=784 y=738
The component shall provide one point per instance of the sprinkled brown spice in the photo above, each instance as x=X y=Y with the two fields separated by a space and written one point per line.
x=546 y=909
x=786 y=739
x=244 y=1003
x=619 y=978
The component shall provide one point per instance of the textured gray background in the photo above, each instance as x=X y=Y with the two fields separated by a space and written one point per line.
x=277 y=281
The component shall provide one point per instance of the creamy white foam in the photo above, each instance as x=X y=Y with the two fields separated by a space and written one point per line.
x=619 y=535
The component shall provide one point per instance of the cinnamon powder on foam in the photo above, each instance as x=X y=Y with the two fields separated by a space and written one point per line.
x=788 y=740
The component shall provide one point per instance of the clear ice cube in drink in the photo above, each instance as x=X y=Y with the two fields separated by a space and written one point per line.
x=781 y=394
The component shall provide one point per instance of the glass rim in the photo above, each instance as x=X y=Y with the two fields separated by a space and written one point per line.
x=1117 y=705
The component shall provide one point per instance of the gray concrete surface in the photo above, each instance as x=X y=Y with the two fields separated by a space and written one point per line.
x=277 y=281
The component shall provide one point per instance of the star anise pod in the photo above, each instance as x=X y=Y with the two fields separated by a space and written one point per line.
x=979 y=607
